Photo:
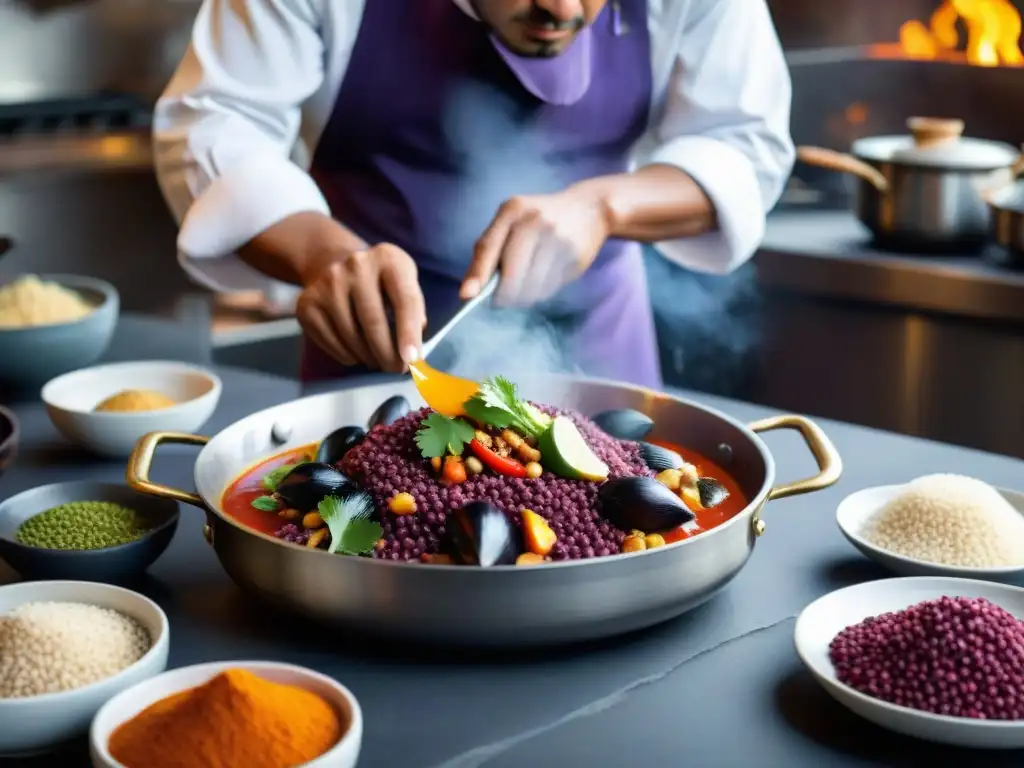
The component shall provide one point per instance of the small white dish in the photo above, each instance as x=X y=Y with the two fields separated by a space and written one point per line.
x=827 y=616
x=129 y=703
x=856 y=509
x=39 y=723
x=71 y=398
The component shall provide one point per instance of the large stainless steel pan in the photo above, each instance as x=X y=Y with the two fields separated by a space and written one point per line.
x=551 y=603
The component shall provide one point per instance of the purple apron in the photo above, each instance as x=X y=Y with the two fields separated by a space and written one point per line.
x=436 y=124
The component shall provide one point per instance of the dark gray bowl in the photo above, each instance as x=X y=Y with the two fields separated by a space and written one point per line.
x=8 y=438
x=112 y=565
x=34 y=355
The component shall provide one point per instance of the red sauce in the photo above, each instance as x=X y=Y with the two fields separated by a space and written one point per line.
x=708 y=518
x=238 y=497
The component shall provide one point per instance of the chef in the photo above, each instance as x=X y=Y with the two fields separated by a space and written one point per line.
x=447 y=140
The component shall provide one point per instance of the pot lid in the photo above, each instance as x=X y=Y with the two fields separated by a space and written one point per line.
x=936 y=142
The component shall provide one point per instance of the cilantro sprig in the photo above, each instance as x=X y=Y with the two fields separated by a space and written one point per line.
x=497 y=403
x=348 y=520
x=440 y=435
x=266 y=504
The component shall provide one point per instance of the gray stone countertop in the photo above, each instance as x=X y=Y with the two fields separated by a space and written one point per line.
x=721 y=686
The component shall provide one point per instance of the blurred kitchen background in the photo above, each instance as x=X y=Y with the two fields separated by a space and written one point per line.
x=819 y=323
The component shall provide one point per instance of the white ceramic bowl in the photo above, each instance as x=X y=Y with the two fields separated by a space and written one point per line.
x=70 y=400
x=39 y=723
x=129 y=703
x=826 y=617
x=857 y=509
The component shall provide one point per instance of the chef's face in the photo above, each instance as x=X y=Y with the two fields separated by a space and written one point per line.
x=541 y=28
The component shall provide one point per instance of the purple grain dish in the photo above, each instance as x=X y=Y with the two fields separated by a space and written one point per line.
x=955 y=656
x=388 y=462
x=293 y=533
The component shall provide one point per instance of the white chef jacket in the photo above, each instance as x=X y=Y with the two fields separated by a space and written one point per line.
x=262 y=75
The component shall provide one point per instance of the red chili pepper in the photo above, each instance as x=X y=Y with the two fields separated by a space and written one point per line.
x=499 y=464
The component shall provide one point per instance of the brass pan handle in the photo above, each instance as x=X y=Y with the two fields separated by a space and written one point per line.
x=842 y=162
x=830 y=464
x=141 y=460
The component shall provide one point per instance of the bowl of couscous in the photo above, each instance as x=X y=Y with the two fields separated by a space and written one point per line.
x=66 y=648
x=107 y=408
x=52 y=324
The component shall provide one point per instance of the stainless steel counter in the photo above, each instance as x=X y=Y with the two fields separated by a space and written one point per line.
x=925 y=346
x=825 y=254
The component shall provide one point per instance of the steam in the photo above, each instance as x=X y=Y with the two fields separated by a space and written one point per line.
x=710 y=320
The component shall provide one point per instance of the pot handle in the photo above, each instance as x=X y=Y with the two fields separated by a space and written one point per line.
x=843 y=163
x=139 y=463
x=830 y=464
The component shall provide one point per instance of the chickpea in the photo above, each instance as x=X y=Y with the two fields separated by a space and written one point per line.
x=529 y=558
x=312 y=520
x=689 y=474
x=671 y=478
x=633 y=544
x=473 y=465
x=653 y=540
x=534 y=470
x=381 y=543
x=526 y=453
x=318 y=536
x=435 y=463
x=512 y=438
x=636 y=532
x=484 y=438
x=402 y=504
x=288 y=514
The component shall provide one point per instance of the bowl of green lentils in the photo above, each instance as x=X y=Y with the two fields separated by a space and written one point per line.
x=85 y=530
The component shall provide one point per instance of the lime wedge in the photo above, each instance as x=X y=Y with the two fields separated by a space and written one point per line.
x=564 y=451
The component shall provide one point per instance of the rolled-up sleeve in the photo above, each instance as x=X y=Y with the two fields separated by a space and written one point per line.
x=726 y=124
x=226 y=125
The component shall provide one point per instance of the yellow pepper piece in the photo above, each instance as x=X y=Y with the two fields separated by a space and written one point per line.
x=442 y=391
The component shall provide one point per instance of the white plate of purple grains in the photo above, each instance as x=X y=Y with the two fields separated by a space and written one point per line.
x=939 y=659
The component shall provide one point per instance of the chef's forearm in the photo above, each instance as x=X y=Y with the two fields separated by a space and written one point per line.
x=652 y=204
x=297 y=247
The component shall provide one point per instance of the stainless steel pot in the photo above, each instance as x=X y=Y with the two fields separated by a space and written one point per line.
x=501 y=606
x=923 y=191
x=1006 y=205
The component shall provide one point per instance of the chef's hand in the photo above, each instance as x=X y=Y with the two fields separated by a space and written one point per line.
x=539 y=243
x=342 y=307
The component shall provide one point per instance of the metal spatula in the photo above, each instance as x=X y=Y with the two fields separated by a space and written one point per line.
x=485 y=294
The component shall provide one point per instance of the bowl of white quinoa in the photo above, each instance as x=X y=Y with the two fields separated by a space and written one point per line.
x=67 y=647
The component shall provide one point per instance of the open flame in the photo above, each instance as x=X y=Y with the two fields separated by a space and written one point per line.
x=993 y=30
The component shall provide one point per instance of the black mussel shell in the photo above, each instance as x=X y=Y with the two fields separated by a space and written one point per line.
x=658 y=458
x=309 y=484
x=712 y=493
x=642 y=503
x=390 y=411
x=334 y=447
x=624 y=423
x=479 y=533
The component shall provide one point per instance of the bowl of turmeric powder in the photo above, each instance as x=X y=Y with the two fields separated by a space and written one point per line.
x=107 y=408
x=257 y=714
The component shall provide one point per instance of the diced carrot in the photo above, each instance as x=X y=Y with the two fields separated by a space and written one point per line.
x=454 y=470
x=540 y=539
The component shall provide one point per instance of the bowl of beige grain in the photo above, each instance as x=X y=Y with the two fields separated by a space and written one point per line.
x=52 y=324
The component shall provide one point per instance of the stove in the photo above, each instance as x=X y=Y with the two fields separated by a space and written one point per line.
x=104 y=130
